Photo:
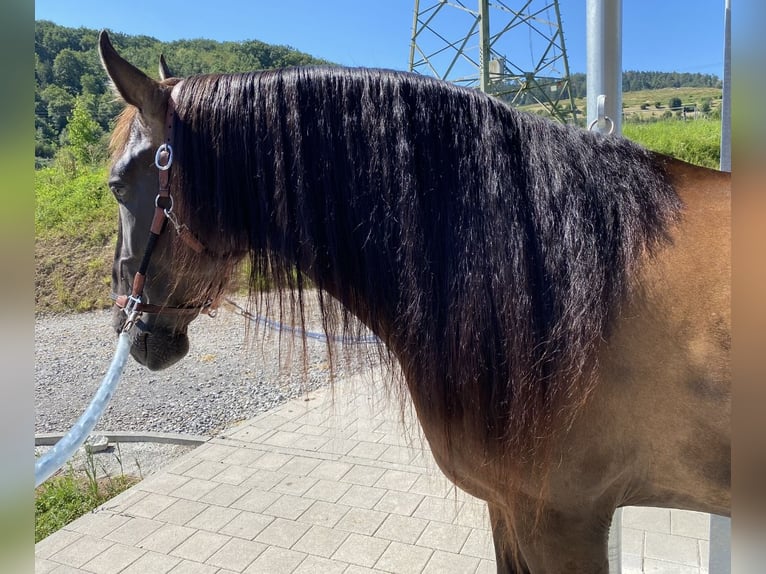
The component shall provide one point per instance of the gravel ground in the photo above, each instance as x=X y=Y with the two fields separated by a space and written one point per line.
x=227 y=376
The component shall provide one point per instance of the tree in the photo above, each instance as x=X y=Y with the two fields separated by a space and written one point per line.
x=59 y=106
x=67 y=70
x=84 y=132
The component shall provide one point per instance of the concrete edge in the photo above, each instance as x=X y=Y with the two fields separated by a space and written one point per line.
x=49 y=439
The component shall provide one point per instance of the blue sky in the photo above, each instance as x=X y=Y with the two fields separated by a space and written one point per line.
x=681 y=35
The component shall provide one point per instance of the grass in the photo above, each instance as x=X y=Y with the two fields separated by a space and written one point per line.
x=75 y=231
x=695 y=141
x=71 y=494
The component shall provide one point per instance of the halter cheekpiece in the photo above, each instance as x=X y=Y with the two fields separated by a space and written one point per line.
x=133 y=305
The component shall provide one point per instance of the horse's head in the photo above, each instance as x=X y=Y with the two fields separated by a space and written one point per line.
x=174 y=291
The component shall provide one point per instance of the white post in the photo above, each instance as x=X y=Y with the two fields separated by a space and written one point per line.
x=720 y=526
x=726 y=103
x=604 y=65
x=604 y=103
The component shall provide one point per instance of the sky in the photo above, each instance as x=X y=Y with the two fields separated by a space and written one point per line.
x=680 y=35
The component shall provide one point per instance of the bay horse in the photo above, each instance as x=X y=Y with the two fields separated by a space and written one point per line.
x=557 y=301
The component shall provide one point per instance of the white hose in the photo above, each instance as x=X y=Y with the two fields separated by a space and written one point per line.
x=55 y=458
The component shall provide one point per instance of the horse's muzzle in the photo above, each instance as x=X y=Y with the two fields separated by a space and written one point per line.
x=155 y=347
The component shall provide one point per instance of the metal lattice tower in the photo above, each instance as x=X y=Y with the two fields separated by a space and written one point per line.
x=512 y=50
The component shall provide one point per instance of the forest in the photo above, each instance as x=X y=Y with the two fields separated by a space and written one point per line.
x=70 y=83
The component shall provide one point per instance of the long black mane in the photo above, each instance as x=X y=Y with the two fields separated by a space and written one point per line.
x=489 y=249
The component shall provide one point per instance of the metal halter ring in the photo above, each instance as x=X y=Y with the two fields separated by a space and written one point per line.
x=607 y=120
x=157 y=160
x=167 y=210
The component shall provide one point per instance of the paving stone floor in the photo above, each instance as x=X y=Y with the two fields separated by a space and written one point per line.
x=334 y=482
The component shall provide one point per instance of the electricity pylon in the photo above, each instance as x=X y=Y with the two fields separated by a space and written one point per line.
x=512 y=50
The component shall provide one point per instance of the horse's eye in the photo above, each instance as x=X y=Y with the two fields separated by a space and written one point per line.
x=117 y=188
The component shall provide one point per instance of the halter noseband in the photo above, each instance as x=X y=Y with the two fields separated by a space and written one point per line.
x=132 y=304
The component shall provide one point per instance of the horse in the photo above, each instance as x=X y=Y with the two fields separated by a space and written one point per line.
x=557 y=301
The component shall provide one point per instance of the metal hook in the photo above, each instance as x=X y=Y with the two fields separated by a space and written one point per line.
x=601 y=118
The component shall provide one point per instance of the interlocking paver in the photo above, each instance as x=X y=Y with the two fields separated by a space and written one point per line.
x=164 y=483
x=447 y=537
x=275 y=560
x=205 y=469
x=362 y=496
x=246 y=525
x=327 y=490
x=401 y=528
x=432 y=484
x=288 y=506
x=441 y=509
x=300 y=465
x=691 y=524
x=319 y=565
x=330 y=470
x=200 y=546
x=215 y=452
x=368 y=450
x=324 y=513
x=224 y=494
x=189 y=567
x=294 y=485
x=441 y=562
x=256 y=500
x=397 y=480
x=282 y=533
x=151 y=505
x=361 y=521
x=263 y=479
x=213 y=518
x=134 y=530
x=320 y=541
x=396 y=502
x=180 y=512
x=194 y=489
x=363 y=475
x=99 y=523
x=81 y=551
x=473 y=515
x=361 y=550
x=401 y=558
x=271 y=461
x=234 y=474
x=152 y=563
x=60 y=540
x=114 y=559
x=479 y=544
x=237 y=554
x=166 y=538
x=678 y=549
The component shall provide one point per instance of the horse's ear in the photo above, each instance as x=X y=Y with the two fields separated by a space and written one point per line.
x=165 y=72
x=134 y=86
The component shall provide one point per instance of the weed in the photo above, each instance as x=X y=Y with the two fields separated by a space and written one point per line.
x=71 y=494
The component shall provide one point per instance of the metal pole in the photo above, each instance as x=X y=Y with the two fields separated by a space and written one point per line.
x=726 y=103
x=484 y=45
x=719 y=561
x=604 y=64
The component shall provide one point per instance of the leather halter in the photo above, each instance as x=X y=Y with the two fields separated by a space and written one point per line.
x=132 y=304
